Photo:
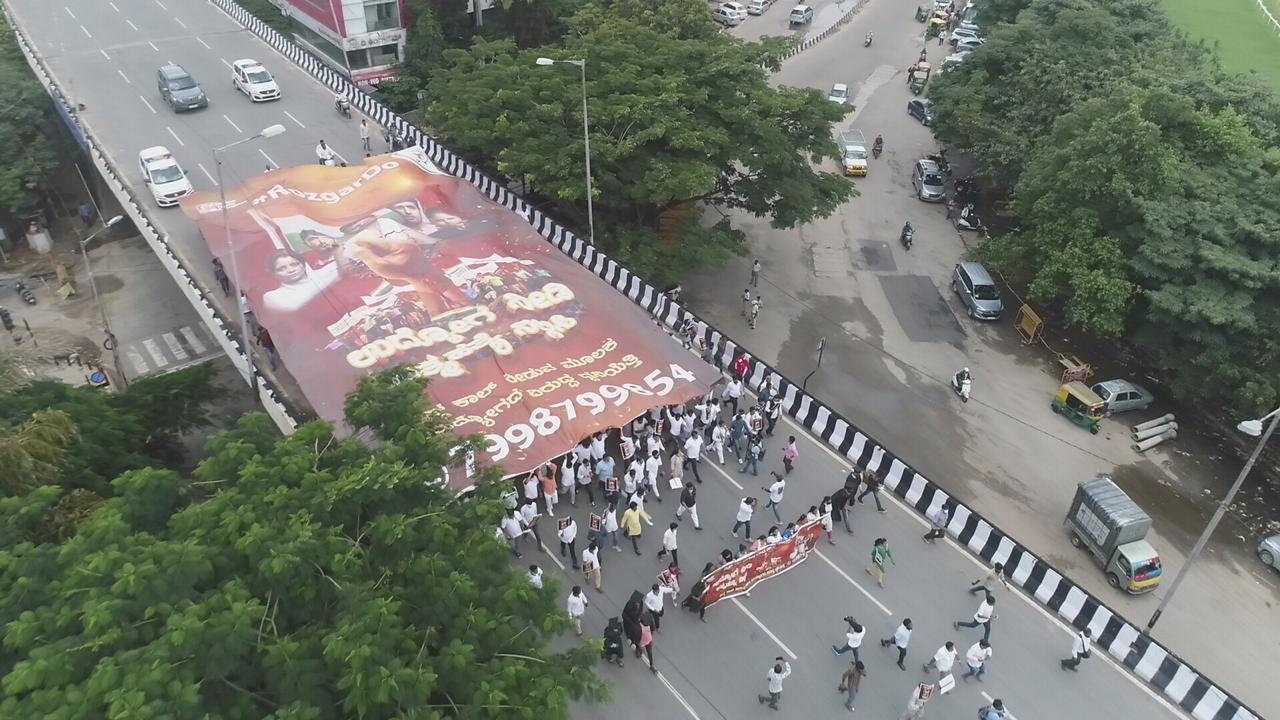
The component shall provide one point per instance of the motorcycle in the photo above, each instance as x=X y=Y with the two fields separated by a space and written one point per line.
x=867 y=42
x=342 y=106
x=24 y=293
x=908 y=235
x=941 y=159
x=967 y=188
x=969 y=220
x=877 y=147
x=961 y=384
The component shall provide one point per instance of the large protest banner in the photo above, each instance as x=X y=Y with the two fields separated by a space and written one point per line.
x=755 y=567
x=395 y=262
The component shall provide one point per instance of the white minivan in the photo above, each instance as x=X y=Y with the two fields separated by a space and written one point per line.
x=759 y=7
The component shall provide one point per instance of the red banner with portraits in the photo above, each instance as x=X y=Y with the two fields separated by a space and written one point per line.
x=395 y=262
x=739 y=576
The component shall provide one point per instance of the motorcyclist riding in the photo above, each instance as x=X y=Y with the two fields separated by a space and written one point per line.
x=877 y=146
x=870 y=37
x=342 y=105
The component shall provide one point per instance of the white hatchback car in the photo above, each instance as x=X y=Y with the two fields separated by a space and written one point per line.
x=164 y=176
x=839 y=94
x=253 y=80
x=737 y=9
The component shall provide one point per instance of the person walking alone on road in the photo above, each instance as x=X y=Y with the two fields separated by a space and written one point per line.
x=790 y=454
x=872 y=484
x=780 y=671
x=985 y=614
x=992 y=580
x=569 y=541
x=577 y=607
x=879 y=556
x=1081 y=648
x=220 y=274
x=850 y=681
x=669 y=543
x=939 y=518
x=631 y=524
x=852 y=638
x=900 y=638
x=746 y=509
x=755 y=272
x=943 y=660
x=976 y=658
x=689 y=502
x=364 y=135
x=775 y=490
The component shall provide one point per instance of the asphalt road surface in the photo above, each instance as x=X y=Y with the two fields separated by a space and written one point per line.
x=896 y=332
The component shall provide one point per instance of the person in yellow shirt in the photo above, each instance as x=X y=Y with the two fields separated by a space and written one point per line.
x=631 y=524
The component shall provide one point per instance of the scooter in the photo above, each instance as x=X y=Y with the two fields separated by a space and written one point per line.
x=877 y=147
x=867 y=42
x=969 y=220
x=342 y=105
x=967 y=188
x=961 y=383
x=908 y=235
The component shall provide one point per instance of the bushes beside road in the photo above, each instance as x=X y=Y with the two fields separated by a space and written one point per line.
x=1142 y=179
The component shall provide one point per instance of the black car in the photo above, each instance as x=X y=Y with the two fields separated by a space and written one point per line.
x=921 y=110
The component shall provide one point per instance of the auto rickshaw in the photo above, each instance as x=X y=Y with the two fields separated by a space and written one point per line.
x=936 y=26
x=1080 y=405
x=917 y=76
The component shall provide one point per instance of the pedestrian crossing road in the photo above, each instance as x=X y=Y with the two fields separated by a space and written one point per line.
x=168 y=351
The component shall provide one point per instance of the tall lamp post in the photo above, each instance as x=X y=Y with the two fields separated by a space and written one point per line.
x=110 y=343
x=1252 y=428
x=586 y=136
x=267 y=132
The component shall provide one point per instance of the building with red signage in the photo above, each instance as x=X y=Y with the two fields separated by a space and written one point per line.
x=363 y=38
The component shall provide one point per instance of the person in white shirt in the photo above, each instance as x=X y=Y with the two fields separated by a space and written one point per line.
x=568 y=542
x=900 y=638
x=324 y=153
x=976 y=658
x=733 y=391
x=631 y=480
x=773 y=537
x=513 y=529
x=585 y=480
x=985 y=614
x=535 y=576
x=529 y=519
x=669 y=544
x=531 y=487
x=780 y=671
x=591 y=563
x=710 y=412
x=609 y=525
x=943 y=660
x=653 y=445
x=568 y=476
x=652 y=468
x=1081 y=648
x=582 y=451
x=577 y=607
x=597 y=447
x=626 y=447
x=775 y=491
x=852 y=639
x=693 y=454
x=745 y=509
x=719 y=434
x=653 y=602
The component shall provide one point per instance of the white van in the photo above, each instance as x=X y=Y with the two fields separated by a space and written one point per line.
x=759 y=7
x=801 y=15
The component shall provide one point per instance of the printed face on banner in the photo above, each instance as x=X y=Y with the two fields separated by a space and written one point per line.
x=395 y=263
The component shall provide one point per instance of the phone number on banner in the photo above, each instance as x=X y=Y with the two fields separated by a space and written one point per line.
x=545 y=421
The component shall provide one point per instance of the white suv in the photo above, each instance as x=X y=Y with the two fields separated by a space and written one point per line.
x=253 y=80
x=164 y=176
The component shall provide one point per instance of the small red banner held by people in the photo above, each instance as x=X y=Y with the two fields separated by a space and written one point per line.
x=739 y=576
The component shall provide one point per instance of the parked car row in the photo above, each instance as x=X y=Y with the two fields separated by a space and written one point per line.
x=732 y=14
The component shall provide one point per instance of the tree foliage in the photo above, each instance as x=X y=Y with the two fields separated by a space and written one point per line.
x=299 y=577
x=680 y=116
x=1141 y=180
x=28 y=128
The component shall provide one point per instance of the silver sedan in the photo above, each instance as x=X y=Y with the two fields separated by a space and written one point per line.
x=1269 y=551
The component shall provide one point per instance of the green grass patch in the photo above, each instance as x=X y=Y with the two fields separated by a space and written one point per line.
x=1245 y=39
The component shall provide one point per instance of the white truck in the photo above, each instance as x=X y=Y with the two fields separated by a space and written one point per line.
x=853 y=148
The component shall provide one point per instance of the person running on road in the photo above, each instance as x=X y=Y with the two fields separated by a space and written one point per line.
x=852 y=638
x=880 y=555
x=746 y=509
x=850 y=681
x=900 y=638
x=631 y=523
x=775 y=490
x=943 y=660
x=985 y=614
x=873 y=483
x=1081 y=648
x=991 y=581
x=780 y=671
x=689 y=502
x=976 y=658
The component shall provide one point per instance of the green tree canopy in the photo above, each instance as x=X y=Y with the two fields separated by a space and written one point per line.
x=300 y=577
x=28 y=128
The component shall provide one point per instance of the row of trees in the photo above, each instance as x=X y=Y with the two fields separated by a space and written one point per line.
x=306 y=577
x=682 y=117
x=29 y=130
x=1142 y=179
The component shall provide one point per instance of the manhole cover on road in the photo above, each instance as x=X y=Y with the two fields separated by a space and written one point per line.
x=920 y=309
x=830 y=262
x=878 y=256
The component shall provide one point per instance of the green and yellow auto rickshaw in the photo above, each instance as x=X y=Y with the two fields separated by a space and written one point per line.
x=1080 y=405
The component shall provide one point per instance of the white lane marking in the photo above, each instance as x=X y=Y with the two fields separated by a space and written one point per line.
x=105 y=55
x=273 y=163
x=205 y=44
x=845 y=575
x=126 y=77
x=766 y=630
x=135 y=357
x=135 y=27
x=153 y=349
x=339 y=156
x=175 y=347
x=679 y=698
x=224 y=62
x=712 y=463
x=162 y=7
x=977 y=562
x=184 y=25
x=291 y=117
x=547 y=551
x=206 y=174
x=153 y=45
x=73 y=15
x=113 y=6
x=175 y=136
x=193 y=340
x=86 y=32
x=237 y=127
x=144 y=102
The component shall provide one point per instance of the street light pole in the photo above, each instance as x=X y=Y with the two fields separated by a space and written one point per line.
x=586 y=138
x=245 y=338
x=111 y=343
x=1250 y=427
